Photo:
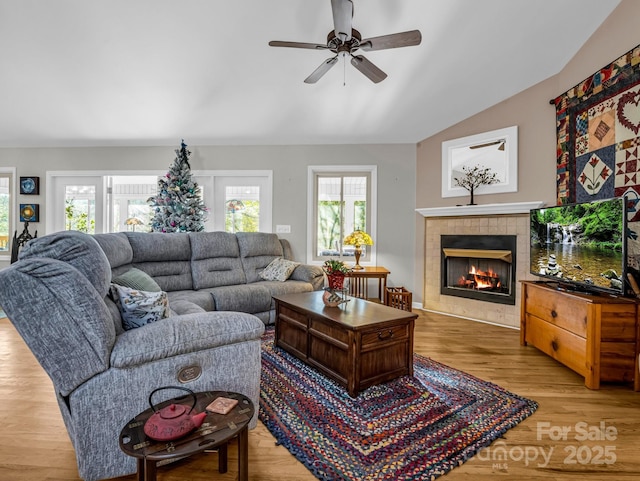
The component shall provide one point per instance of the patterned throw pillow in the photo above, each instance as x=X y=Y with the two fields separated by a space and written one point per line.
x=279 y=269
x=139 y=308
x=137 y=279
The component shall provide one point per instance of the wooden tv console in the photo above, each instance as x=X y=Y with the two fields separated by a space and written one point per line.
x=594 y=335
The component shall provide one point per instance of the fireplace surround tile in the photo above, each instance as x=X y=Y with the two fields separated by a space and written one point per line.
x=510 y=224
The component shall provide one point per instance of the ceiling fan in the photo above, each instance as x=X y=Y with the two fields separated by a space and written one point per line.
x=345 y=40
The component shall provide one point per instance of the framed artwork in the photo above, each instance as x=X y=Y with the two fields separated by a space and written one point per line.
x=29 y=212
x=29 y=185
x=496 y=150
x=598 y=135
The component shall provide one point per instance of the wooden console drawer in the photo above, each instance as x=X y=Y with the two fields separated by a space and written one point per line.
x=564 y=346
x=564 y=311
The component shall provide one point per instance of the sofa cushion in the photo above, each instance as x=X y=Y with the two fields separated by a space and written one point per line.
x=139 y=308
x=78 y=249
x=199 y=298
x=165 y=257
x=278 y=270
x=245 y=298
x=67 y=327
x=257 y=250
x=137 y=279
x=277 y=288
x=158 y=247
x=117 y=248
x=215 y=260
x=181 y=307
x=183 y=335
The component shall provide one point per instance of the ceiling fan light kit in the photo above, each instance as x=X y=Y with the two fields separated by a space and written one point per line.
x=345 y=40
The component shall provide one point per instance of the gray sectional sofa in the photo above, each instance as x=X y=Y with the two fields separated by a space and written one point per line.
x=210 y=271
x=58 y=297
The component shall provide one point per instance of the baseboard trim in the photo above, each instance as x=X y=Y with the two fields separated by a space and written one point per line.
x=467 y=318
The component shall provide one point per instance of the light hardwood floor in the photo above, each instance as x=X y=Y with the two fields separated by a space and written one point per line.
x=34 y=445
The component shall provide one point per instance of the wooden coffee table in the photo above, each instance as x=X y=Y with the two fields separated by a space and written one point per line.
x=216 y=431
x=358 y=344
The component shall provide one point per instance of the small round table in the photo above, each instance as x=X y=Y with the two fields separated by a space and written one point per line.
x=216 y=431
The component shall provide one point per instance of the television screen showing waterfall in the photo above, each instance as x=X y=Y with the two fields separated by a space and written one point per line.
x=581 y=246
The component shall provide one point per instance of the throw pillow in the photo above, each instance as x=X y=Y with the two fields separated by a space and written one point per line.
x=279 y=269
x=139 y=308
x=137 y=279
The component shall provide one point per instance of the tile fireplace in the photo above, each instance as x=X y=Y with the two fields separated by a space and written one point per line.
x=479 y=267
x=491 y=220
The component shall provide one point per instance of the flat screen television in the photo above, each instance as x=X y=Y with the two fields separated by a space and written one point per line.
x=581 y=246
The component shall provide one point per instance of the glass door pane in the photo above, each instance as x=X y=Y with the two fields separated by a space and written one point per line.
x=78 y=203
x=242 y=204
x=80 y=208
x=242 y=208
x=128 y=206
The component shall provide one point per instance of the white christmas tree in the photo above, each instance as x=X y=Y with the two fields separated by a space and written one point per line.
x=178 y=206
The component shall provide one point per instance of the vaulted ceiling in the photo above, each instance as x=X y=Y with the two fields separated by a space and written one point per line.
x=150 y=72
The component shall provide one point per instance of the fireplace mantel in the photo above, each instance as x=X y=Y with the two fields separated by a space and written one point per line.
x=486 y=209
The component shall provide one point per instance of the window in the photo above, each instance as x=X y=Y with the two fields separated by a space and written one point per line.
x=342 y=199
x=6 y=222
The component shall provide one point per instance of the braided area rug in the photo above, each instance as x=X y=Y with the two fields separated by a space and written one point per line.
x=411 y=428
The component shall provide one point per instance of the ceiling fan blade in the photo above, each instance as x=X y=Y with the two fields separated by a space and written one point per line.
x=394 y=40
x=366 y=67
x=321 y=70
x=342 y=16
x=313 y=46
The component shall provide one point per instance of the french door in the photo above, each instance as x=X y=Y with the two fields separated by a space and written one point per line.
x=242 y=203
x=78 y=203
x=237 y=200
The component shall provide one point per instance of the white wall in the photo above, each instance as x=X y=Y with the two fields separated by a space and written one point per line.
x=396 y=185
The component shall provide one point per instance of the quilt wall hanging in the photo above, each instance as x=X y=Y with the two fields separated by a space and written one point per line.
x=598 y=132
x=598 y=141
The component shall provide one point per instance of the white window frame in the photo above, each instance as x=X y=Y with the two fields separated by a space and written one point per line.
x=312 y=171
x=13 y=203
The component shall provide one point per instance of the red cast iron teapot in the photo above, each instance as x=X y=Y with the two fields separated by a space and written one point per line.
x=173 y=421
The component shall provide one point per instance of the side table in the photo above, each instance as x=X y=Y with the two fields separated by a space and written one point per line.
x=216 y=431
x=359 y=282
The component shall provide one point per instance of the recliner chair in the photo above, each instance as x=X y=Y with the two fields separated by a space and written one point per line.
x=55 y=297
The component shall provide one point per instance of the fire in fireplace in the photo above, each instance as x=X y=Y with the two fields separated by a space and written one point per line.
x=479 y=267
x=477 y=279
